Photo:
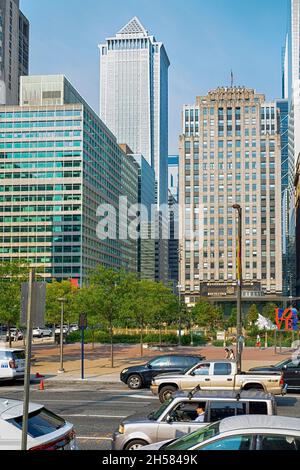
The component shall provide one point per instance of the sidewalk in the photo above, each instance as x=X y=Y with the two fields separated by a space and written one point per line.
x=97 y=366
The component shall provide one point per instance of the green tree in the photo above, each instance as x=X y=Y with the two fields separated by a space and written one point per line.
x=268 y=311
x=208 y=315
x=252 y=315
x=231 y=321
x=109 y=288
x=54 y=291
x=12 y=274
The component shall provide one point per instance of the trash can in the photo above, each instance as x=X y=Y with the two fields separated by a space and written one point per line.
x=57 y=338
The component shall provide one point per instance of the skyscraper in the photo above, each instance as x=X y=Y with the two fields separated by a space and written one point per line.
x=14 y=50
x=59 y=164
x=134 y=96
x=230 y=154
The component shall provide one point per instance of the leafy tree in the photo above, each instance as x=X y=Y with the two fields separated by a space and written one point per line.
x=54 y=291
x=109 y=288
x=252 y=315
x=208 y=315
x=268 y=311
x=12 y=274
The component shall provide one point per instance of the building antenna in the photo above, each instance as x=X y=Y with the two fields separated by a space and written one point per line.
x=231 y=78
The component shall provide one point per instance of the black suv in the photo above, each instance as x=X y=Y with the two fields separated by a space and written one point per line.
x=140 y=376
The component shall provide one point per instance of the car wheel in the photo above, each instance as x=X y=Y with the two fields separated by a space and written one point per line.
x=135 y=444
x=134 y=381
x=166 y=393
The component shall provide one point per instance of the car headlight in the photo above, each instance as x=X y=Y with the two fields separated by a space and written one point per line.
x=124 y=370
x=121 y=429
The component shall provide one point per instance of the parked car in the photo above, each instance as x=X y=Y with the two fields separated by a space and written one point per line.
x=216 y=375
x=15 y=334
x=251 y=432
x=73 y=327
x=65 y=330
x=290 y=369
x=40 y=332
x=176 y=417
x=12 y=364
x=140 y=376
x=46 y=430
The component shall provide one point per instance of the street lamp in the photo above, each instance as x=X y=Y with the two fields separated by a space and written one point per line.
x=239 y=290
x=61 y=369
x=179 y=311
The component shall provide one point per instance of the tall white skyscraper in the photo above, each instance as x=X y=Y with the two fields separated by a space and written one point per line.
x=134 y=96
x=295 y=74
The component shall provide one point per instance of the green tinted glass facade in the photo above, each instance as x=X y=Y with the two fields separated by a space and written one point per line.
x=57 y=164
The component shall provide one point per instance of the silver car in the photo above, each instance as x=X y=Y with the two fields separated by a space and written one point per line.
x=252 y=432
x=176 y=417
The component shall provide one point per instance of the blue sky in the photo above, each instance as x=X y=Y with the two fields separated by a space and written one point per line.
x=204 y=39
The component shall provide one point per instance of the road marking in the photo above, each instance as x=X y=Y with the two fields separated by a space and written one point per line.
x=92 y=401
x=90 y=438
x=144 y=396
x=93 y=416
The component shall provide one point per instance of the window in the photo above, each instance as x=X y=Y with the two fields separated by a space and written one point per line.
x=258 y=408
x=40 y=422
x=222 y=409
x=278 y=442
x=222 y=368
x=160 y=362
x=230 y=443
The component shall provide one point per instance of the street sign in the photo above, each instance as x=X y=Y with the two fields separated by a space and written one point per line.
x=82 y=323
x=38 y=303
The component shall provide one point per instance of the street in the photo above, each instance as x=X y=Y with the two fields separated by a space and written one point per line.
x=96 y=410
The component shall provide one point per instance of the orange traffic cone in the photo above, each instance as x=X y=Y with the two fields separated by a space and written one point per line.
x=41 y=386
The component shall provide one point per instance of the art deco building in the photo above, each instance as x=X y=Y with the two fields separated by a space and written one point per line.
x=230 y=154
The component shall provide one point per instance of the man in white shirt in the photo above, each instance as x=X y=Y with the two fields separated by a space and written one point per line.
x=201 y=413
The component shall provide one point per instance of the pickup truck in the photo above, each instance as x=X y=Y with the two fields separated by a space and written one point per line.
x=216 y=375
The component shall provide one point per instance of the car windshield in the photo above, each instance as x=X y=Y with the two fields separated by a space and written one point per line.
x=154 y=415
x=188 y=441
x=280 y=364
x=40 y=422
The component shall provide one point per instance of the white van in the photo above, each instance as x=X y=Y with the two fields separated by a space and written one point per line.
x=12 y=364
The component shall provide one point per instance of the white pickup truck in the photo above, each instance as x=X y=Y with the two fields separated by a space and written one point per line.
x=216 y=375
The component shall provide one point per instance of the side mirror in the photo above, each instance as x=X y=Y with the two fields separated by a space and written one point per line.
x=192 y=373
x=285 y=367
x=149 y=366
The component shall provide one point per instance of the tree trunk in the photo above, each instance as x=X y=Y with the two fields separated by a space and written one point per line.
x=111 y=346
x=93 y=339
x=160 y=335
x=9 y=334
x=141 y=338
x=54 y=342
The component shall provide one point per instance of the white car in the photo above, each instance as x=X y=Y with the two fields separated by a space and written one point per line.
x=65 y=330
x=244 y=432
x=46 y=430
x=12 y=364
x=41 y=332
x=74 y=327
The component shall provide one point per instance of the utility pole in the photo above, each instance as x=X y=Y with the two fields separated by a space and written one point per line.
x=28 y=359
x=61 y=369
x=239 y=290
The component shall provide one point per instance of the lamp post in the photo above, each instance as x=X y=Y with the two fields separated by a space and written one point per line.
x=179 y=312
x=61 y=369
x=239 y=290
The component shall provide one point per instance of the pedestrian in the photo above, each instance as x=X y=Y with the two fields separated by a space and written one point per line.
x=231 y=355
x=258 y=341
x=227 y=353
x=16 y=335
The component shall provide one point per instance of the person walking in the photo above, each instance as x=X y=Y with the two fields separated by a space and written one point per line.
x=227 y=353
x=258 y=341
x=231 y=355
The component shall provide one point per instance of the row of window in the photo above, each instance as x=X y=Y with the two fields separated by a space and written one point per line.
x=34 y=124
x=40 y=187
x=40 y=144
x=40 y=114
x=41 y=175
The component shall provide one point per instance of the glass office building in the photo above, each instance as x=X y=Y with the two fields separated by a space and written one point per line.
x=58 y=163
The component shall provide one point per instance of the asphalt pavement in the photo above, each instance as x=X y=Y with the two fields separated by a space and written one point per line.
x=96 y=410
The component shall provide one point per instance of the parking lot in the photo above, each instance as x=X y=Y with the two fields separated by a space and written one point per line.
x=96 y=410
